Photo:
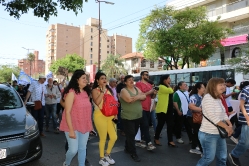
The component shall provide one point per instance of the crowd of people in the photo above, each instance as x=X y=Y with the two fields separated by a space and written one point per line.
x=140 y=105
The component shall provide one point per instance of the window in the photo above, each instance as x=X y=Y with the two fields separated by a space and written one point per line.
x=107 y=46
x=91 y=37
x=99 y=56
x=91 y=56
x=99 y=44
x=108 y=40
x=91 y=62
x=100 y=39
x=91 y=44
x=99 y=50
x=143 y=63
x=9 y=98
x=91 y=49
x=91 y=29
x=151 y=64
x=107 y=52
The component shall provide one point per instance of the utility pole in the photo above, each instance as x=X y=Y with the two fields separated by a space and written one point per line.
x=29 y=59
x=111 y=3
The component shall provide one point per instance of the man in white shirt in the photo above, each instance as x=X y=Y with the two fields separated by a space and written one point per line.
x=37 y=91
x=51 y=104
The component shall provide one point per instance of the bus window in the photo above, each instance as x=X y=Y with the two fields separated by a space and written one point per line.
x=228 y=74
x=183 y=77
x=216 y=74
x=173 y=79
x=157 y=79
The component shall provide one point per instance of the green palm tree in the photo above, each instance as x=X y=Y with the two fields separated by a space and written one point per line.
x=31 y=59
x=113 y=66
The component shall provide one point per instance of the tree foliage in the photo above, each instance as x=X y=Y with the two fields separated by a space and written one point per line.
x=6 y=72
x=185 y=35
x=113 y=66
x=41 y=8
x=241 y=62
x=71 y=62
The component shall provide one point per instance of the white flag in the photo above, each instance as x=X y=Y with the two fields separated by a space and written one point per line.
x=13 y=77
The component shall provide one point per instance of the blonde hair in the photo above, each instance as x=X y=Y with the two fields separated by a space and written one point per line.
x=212 y=85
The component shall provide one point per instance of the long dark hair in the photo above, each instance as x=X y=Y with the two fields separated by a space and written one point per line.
x=97 y=77
x=195 y=88
x=162 y=78
x=73 y=84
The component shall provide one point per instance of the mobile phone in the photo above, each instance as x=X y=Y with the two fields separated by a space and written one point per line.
x=156 y=88
x=115 y=121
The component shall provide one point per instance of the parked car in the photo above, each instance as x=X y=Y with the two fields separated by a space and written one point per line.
x=19 y=134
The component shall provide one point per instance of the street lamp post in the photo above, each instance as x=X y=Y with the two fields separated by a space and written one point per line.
x=29 y=61
x=111 y=3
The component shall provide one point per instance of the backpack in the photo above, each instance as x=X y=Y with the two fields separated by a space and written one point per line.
x=110 y=105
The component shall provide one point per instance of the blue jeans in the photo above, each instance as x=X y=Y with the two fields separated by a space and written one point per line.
x=153 y=119
x=213 y=146
x=39 y=117
x=77 y=145
x=145 y=126
x=51 y=109
x=243 y=144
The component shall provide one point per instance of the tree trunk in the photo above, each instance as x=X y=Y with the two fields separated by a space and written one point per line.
x=222 y=57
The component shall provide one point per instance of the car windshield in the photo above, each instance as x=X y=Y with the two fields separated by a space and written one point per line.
x=9 y=98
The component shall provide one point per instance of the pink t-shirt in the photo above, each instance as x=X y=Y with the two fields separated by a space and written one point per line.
x=145 y=87
x=81 y=114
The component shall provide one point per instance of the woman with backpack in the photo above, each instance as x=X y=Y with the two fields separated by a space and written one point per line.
x=104 y=124
x=195 y=97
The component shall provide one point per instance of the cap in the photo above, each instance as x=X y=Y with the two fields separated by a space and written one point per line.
x=42 y=76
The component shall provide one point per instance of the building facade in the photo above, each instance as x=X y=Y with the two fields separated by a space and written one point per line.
x=136 y=63
x=37 y=67
x=61 y=40
x=233 y=14
x=84 y=41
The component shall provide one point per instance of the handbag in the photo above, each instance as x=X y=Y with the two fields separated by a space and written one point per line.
x=223 y=133
x=110 y=105
x=197 y=117
x=38 y=103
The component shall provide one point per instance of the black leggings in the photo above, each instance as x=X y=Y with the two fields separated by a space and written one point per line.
x=163 y=118
x=195 y=139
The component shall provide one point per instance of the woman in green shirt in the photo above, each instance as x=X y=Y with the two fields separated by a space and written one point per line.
x=130 y=98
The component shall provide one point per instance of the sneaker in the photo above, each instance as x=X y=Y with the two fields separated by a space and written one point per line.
x=234 y=160
x=109 y=159
x=64 y=164
x=46 y=129
x=180 y=141
x=103 y=162
x=150 y=146
x=42 y=135
x=140 y=144
x=94 y=133
x=135 y=158
x=234 y=140
x=57 y=131
x=197 y=148
x=194 y=151
x=87 y=163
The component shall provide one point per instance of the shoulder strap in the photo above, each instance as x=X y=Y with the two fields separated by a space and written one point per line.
x=185 y=96
x=209 y=120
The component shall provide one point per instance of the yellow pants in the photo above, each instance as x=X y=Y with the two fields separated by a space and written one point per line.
x=104 y=126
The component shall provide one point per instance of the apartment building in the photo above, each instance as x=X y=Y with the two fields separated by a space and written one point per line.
x=83 y=40
x=61 y=40
x=89 y=40
x=37 y=67
x=233 y=14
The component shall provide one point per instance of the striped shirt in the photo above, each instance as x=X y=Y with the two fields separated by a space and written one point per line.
x=214 y=111
x=244 y=96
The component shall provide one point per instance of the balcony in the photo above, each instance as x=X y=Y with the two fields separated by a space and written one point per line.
x=240 y=30
x=230 y=12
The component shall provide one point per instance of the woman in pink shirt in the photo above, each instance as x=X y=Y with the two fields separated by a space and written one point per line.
x=76 y=119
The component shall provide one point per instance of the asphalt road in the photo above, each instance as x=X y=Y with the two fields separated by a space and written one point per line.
x=54 y=153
